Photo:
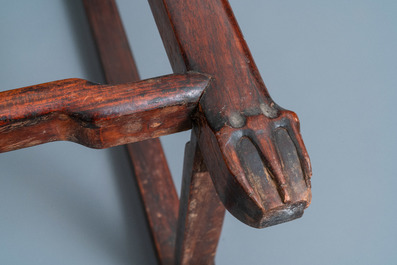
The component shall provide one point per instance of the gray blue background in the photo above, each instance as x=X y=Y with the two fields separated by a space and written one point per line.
x=332 y=62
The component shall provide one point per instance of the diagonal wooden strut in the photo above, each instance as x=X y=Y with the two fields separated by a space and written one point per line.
x=201 y=212
x=154 y=185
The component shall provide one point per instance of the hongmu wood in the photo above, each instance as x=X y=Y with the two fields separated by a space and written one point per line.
x=246 y=152
x=148 y=163
x=252 y=147
x=98 y=116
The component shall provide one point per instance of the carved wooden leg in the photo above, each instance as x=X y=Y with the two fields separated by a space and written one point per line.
x=148 y=160
x=237 y=117
x=201 y=212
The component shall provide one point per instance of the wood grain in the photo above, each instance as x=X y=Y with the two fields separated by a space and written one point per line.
x=98 y=116
x=237 y=116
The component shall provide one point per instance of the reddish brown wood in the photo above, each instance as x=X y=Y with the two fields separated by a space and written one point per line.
x=147 y=158
x=237 y=117
x=201 y=212
x=98 y=116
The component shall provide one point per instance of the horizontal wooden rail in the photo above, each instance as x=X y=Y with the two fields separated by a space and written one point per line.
x=98 y=116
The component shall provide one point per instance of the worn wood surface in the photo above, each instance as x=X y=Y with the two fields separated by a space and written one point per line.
x=201 y=212
x=148 y=161
x=98 y=116
x=237 y=117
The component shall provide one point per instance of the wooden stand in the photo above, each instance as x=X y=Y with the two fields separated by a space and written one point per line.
x=246 y=153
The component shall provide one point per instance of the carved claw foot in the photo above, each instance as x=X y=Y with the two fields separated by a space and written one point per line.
x=262 y=167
